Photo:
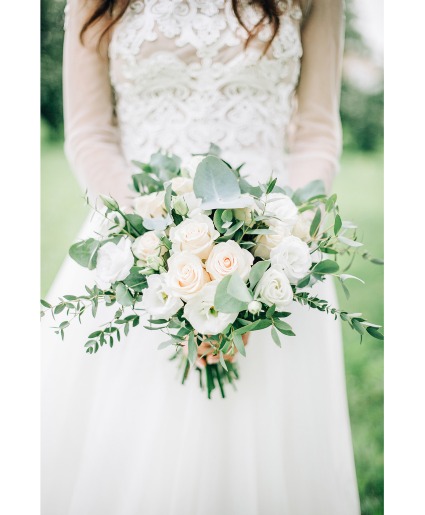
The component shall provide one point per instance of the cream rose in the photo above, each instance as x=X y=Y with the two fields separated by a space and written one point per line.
x=274 y=288
x=293 y=256
x=147 y=246
x=282 y=211
x=181 y=185
x=114 y=261
x=195 y=234
x=186 y=274
x=264 y=243
x=302 y=228
x=228 y=257
x=200 y=312
x=150 y=206
x=158 y=300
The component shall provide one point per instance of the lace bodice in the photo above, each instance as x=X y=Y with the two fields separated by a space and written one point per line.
x=176 y=75
x=183 y=79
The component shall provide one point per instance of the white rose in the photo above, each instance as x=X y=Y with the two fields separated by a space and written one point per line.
x=114 y=261
x=293 y=256
x=200 y=312
x=158 y=300
x=195 y=235
x=181 y=185
x=150 y=206
x=228 y=257
x=147 y=246
x=186 y=274
x=282 y=210
x=264 y=243
x=274 y=288
x=302 y=228
x=192 y=165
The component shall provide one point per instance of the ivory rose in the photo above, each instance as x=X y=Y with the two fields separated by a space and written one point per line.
x=264 y=243
x=147 y=246
x=228 y=257
x=150 y=206
x=186 y=274
x=195 y=234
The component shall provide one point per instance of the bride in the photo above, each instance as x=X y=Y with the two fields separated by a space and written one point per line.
x=121 y=435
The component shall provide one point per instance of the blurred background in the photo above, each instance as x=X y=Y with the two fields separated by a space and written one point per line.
x=359 y=187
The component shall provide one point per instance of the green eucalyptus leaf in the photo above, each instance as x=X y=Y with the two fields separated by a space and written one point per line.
x=237 y=338
x=257 y=272
x=275 y=337
x=312 y=189
x=327 y=266
x=136 y=280
x=192 y=349
x=85 y=252
x=217 y=185
x=337 y=225
x=316 y=222
x=124 y=297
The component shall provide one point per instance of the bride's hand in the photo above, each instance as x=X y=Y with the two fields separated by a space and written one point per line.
x=205 y=353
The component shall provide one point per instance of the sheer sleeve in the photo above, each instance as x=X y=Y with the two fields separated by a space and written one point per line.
x=315 y=146
x=92 y=143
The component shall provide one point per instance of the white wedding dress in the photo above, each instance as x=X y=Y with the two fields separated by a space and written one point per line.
x=121 y=435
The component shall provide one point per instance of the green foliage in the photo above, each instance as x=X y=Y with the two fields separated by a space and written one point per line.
x=51 y=43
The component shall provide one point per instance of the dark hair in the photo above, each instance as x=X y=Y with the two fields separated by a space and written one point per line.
x=270 y=9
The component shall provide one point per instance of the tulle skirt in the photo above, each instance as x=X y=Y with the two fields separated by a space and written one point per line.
x=122 y=436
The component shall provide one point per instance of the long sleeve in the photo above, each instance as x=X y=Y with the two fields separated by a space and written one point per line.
x=316 y=141
x=91 y=138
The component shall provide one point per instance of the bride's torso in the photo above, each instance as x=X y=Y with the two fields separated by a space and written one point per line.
x=183 y=78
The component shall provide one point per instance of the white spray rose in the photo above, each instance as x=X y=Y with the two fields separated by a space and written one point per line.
x=186 y=274
x=274 y=288
x=264 y=243
x=200 y=312
x=302 y=228
x=293 y=256
x=283 y=212
x=192 y=165
x=150 y=206
x=114 y=261
x=147 y=246
x=181 y=185
x=158 y=300
x=228 y=257
x=195 y=235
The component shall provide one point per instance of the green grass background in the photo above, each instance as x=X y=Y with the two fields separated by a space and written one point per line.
x=360 y=191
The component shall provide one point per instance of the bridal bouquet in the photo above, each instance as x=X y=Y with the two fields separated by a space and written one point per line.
x=208 y=258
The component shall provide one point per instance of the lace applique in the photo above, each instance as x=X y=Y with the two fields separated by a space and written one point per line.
x=183 y=79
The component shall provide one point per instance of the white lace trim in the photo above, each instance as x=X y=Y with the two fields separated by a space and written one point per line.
x=183 y=79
